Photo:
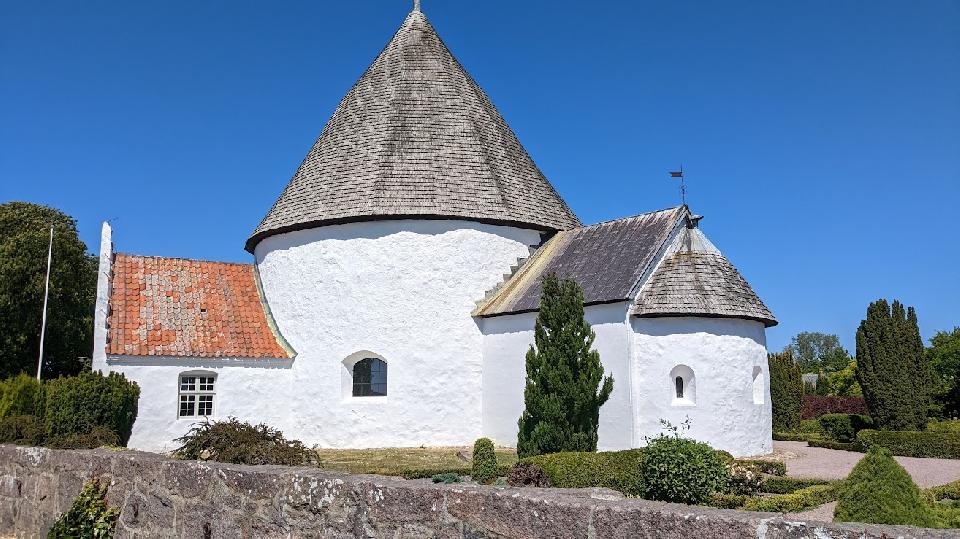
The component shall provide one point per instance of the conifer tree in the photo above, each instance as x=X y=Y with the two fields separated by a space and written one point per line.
x=786 y=391
x=892 y=367
x=565 y=383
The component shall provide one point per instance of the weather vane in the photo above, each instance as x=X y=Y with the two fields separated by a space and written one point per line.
x=683 y=185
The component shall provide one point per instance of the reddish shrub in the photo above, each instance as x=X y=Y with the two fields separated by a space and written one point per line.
x=815 y=406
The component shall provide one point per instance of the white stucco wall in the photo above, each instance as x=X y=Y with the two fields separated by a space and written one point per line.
x=98 y=357
x=399 y=290
x=506 y=340
x=724 y=355
x=404 y=291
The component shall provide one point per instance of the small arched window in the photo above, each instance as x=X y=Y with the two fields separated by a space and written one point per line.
x=370 y=378
x=684 y=386
x=678 y=382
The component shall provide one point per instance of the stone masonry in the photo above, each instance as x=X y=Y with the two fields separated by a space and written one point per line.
x=161 y=497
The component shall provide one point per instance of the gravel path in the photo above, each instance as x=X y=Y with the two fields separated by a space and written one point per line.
x=804 y=461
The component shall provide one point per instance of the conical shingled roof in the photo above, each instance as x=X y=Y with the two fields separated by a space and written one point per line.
x=416 y=137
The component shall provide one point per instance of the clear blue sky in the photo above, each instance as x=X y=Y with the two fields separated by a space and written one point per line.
x=821 y=139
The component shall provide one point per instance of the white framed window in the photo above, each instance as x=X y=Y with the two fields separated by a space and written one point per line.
x=683 y=386
x=197 y=393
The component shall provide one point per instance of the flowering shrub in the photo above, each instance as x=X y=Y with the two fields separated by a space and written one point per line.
x=744 y=479
x=815 y=406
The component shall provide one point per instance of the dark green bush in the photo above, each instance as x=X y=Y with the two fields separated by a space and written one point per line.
x=618 y=470
x=21 y=430
x=844 y=427
x=89 y=515
x=446 y=478
x=880 y=491
x=21 y=395
x=485 y=468
x=682 y=470
x=937 y=444
x=794 y=502
x=525 y=474
x=839 y=446
x=789 y=485
x=786 y=391
x=97 y=437
x=242 y=443
x=795 y=436
x=810 y=426
x=728 y=501
x=77 y=404
x=770 y=467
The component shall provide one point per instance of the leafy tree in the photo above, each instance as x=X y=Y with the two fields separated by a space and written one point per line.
x=786 y=391
x=24 y=235
x=843 y=383
x=815 y=351
x=565 y=386
x=944 y=358
x=821 y=388
x=892 y=367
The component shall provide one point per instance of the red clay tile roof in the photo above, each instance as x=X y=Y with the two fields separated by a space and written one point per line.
x=188 y=308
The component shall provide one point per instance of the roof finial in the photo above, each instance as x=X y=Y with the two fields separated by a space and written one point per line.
x=416 y=5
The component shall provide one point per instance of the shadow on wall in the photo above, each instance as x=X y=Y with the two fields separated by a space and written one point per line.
x=663 y=327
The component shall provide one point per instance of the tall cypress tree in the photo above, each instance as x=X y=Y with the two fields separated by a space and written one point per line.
x=565 y=383
x=786 y=391
x=892 y=368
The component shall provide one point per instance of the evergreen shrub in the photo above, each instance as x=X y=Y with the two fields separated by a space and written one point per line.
x=880 y=491
x=485 y=468
x=844 y=427
x=617 y=470
x=242 y=443
x=839 y=446
x=99 y=436
x=21 y=395
x=810 y=426
x=565 y=385
x=682 y=470
x=893 y=369
x=89 y=516
x=446 y=478
x=526 y=474
x=21 y=430
x=786 y=391
x=940 y=445
x=77 y=404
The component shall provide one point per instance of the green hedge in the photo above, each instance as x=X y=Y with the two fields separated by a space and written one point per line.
x=21 y=395
x=618 y=470
x=77 y=404
x=21 y=430
x=788 y=485
x=936 y=444
x=944 y=426
x=810 y=426
x=769 y=467
x=797 y=501
x=796 y=436
x=844 y=427
x=830 y=444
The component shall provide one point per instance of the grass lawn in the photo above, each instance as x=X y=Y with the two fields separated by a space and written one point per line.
x=394 y=461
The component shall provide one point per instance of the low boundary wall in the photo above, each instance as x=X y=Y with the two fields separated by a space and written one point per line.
x=161 y=497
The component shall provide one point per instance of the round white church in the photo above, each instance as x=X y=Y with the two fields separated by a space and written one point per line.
x=396 y=282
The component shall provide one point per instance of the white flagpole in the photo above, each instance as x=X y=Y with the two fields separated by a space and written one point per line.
x=46 y=293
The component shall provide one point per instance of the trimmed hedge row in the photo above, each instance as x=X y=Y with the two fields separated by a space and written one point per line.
x=428 y=473
x=815 y=406
x=795 y=436
x=936 y=444
x=844 y=427
x=618 y=470
x=797 y=501
x=789 y=485
x=840 y=446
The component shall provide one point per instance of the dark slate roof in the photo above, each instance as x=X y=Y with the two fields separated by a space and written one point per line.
x=416 y=137
x=608 y=260
x=697 y=283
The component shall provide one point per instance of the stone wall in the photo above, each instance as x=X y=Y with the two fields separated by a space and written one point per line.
x=166 y=498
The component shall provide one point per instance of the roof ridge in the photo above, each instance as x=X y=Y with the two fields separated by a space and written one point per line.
x=644 y=214
x=184 y=259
